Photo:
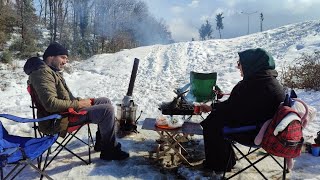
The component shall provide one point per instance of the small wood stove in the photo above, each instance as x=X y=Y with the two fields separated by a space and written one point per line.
x=126 y=111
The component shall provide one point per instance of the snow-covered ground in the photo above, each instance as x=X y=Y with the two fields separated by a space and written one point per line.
x=162 y=68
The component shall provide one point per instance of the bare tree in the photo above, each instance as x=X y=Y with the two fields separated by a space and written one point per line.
x=27 y=18
x=45 y=11
x=58 y=11
x=41 y=7
x=64 y=8
x=87 y=26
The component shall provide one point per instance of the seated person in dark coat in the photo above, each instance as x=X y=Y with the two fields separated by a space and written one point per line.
x=252 y=101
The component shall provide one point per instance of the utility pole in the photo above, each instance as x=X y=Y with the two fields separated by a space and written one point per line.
x=261 y=20
x=248 y=14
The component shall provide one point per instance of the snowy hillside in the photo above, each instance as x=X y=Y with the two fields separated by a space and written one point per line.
x=163 y=68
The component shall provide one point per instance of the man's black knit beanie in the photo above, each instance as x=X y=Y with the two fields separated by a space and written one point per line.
x=54 y=49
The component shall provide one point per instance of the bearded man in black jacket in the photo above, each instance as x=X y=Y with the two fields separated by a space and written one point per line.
x=252 y=101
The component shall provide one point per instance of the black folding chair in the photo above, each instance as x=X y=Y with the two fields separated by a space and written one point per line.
x=233 y=135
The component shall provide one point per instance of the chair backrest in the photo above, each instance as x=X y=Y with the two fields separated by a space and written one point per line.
x=201 y=85
x=35 y=101
x=37 y=107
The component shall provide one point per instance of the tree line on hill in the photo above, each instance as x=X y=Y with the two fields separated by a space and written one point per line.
x=85 y=27
x=88 y=27
x=206 y=30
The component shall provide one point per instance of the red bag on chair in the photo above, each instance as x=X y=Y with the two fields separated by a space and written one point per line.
x=288 y=142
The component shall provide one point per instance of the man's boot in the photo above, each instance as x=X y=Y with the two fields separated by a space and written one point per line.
x=97 y=146
x=114 y=153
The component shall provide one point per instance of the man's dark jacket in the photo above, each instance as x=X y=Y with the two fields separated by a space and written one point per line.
x=52 y=92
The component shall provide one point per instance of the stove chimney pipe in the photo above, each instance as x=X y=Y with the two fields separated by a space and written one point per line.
x=133 y=76
x=127 y=100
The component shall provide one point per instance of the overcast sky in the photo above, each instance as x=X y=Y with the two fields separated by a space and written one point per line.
x=184 y=17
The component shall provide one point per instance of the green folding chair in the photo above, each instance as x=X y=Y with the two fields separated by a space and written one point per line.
x=202 y=87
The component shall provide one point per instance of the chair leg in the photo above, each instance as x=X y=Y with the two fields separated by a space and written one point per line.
x=249 y=152
x=42 y=173
x=63 y=146
x=284 y=169
x=25 y=164
x=12 y=171
x=225 y=170
x=45 y=162
x=16 y=171
x=1 y=175
x=90 y=140
x=251 y=164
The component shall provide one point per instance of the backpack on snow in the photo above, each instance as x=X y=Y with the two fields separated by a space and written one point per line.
x=283 y=136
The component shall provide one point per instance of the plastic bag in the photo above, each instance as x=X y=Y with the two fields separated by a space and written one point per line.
x=174 y=122
x=161 y=121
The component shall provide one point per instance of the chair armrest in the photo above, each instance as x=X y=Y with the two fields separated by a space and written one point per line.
x=183 y=89
x=5 y=154
x=26 y=120
x=229 y=130
x=8 y=151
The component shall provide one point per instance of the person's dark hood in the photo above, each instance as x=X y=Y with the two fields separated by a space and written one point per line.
x=263 y=74
x=33 y=64
x=254 y=61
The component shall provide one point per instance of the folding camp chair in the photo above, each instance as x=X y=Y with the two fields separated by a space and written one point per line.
x=21 y=151
x=202 y=87
x=73 y=128
x=233 y=135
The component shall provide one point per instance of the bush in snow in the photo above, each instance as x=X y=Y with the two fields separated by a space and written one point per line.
x=305 y=73
x=6 y=57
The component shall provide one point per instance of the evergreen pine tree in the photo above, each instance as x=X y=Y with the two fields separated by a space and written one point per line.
x=205 y=31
